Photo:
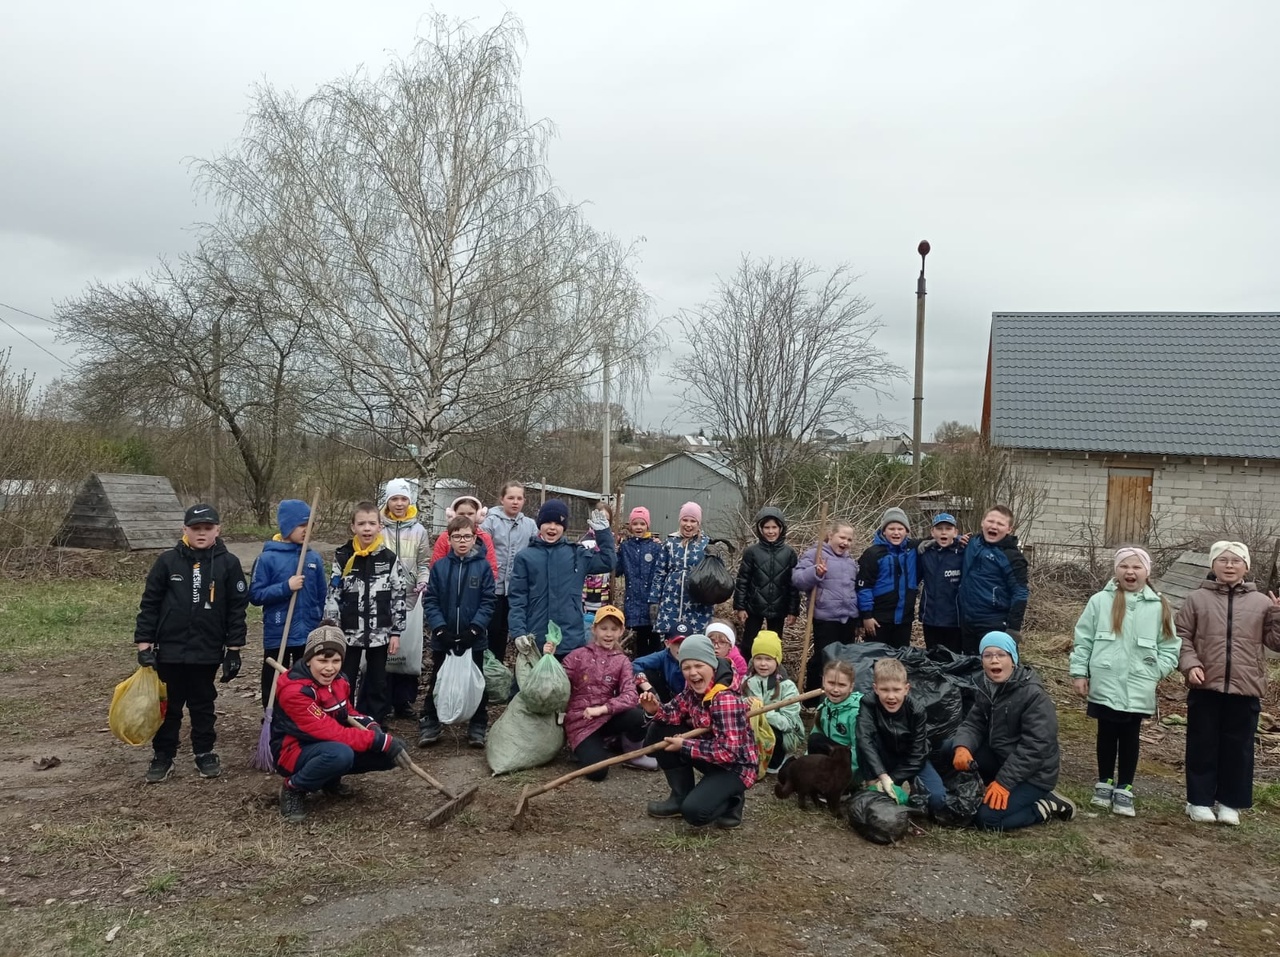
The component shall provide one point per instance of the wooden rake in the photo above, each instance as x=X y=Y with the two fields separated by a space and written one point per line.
x=457 y=799
x=517 y=820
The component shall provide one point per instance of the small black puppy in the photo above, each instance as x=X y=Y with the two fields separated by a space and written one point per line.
x=828 y=775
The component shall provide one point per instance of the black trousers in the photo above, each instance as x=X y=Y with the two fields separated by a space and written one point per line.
x=289 y=657
x=1118 y=741
x=701 y=801
x=403 y=690
x=498 y=627
x=372 y=698
x=936 y=636
x=1220 y=738
x=628 y=724
x=753 y=626
x=971 y=636
x=825 y=633
x=480 y=719
x=895 y=636
x=644 y=641
x=190 y=687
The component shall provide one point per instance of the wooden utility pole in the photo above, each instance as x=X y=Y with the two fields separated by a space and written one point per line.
x=918 y=400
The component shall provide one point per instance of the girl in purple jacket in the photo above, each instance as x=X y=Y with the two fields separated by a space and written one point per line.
x=833 y=571
x=603 y=702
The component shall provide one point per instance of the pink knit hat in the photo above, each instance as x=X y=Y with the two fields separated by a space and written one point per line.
x=639 y=512
x=1132 y=551
x=691 y=510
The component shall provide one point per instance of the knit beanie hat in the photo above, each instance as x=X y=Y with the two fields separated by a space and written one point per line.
x=292 y=513
x=1132 y=551
x=641 y=513
x=719 y=628
x=698 y=648
x=399 y=486
x=1239 y=549
x=691 y=510
x=324 y=639
x=1000 y=640
x=452 y=511
x=767 y=643
x=553 y=512
x=895 y=515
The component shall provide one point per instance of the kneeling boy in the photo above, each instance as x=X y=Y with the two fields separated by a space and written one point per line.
x=892 y=734
x=312 y=744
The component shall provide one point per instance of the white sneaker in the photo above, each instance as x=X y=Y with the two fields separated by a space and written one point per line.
x=1200 y=814
x=1228 y=815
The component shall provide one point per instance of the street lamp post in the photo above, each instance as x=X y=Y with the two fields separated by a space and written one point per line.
x=918 y=400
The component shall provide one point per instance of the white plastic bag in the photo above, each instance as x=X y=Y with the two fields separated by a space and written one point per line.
x=408 y=660
x=459 y=689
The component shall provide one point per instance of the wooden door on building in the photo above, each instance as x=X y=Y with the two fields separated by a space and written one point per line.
x=1128 y=506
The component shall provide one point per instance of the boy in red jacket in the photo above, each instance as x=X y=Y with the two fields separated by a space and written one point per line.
x=311 y=742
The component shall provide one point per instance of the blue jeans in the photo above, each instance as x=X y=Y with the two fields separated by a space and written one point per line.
x=1021 y=811
x=931 y=783
x=325 y=762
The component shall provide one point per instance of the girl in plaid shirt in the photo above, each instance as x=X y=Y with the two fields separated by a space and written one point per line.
x=726 y=757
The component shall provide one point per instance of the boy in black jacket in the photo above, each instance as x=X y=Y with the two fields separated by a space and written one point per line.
x=764 y=596
x=891 y=731
x=190 y=620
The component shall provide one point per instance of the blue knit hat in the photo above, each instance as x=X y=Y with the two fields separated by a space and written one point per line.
x=1000 y=640
x=555 y=512
x=292 y=513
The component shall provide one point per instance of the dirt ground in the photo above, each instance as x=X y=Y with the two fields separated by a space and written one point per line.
x=94 y=862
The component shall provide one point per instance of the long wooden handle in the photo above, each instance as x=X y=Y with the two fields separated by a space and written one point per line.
x=293 y=599
x=658 y=746
x=807 y=647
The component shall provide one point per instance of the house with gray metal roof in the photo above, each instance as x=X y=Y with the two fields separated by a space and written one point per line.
x=688 y=477
x=1140 y=426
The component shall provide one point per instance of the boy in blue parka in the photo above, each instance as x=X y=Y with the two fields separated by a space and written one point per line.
x=993 y=582
x=456 y=610
x=888 y=577
x=941 y=562
x=546 y=579
x=273 y=583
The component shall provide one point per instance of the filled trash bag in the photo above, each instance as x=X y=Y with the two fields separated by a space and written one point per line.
x=497 y=679
x=964 y=797
x=709 y=582
x=138 y=707
x=932 y=685
x=520 y=739
x=460 y=688
x=542 y=680
x=877 y=817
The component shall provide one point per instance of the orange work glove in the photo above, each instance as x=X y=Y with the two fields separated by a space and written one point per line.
x=997 y=796
x=962 y=759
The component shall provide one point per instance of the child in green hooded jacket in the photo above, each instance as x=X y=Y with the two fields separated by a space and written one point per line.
x=768 y=681
x=837 y=718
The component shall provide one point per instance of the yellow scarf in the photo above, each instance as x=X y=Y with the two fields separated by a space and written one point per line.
x=712 y=692
x=359 y=552
x=409 y=514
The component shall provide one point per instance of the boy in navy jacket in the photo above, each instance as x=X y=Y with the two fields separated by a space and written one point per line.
x=941 y=560
x=274 y=582
x=993 y=581
x=456 y=609
x=888 y=577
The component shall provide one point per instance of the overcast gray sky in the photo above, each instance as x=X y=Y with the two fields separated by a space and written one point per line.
x=1072 y=156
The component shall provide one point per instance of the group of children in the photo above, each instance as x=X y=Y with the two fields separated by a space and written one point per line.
x=692 y=677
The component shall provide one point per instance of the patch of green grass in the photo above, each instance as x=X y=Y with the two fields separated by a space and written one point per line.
x=1267 y=795
x=48 y=620
x=694 y=841
x=160 y=884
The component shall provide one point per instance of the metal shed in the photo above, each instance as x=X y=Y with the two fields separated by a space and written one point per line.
x=122 y=511
x=688 y=477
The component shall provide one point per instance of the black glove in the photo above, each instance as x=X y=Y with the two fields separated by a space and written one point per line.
x=230 y=664
x=460 y=643
x=440 y=636
x=387 y=744
x=395 y=749
x=147 y=657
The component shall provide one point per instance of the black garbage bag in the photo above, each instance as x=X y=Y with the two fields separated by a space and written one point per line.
x=964 y=797
x=931 y=686
x=877 y=817
x=710 y=582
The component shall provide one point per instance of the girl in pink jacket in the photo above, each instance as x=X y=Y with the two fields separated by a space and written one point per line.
x=603 y=703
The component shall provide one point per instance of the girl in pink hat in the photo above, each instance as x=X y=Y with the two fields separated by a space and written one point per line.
x=638 y=556
x=673 y=610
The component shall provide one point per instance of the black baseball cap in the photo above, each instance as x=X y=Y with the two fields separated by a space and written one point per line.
x=201 y=515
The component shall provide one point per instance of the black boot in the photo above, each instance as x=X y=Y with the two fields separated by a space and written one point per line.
x=732 y=817
x=292 y=808
x=429 y=729
x=681 y=782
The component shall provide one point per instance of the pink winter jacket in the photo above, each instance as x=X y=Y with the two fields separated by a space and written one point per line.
x=596 y=677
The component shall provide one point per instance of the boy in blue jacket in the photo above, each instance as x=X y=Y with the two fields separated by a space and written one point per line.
x=993 y=582
x=274 y=583
x=546 y=579
x=888 y=577
x=941 y=560
x=456 y=608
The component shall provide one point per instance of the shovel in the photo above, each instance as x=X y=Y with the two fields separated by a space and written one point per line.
x=517 y=820
x=457 y=800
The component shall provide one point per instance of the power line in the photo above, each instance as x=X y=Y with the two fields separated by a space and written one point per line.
x=51 y=355
x=32 y=315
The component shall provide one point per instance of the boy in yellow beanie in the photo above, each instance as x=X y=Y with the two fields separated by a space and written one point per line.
x=768 y=681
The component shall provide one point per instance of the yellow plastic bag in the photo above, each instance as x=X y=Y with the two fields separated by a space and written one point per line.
x=138 y=707
x=766 y=739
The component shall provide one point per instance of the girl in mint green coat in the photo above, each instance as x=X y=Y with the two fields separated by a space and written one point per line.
x=1124 y=645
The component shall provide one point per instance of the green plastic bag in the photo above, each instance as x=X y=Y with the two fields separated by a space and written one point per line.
x=543 y=683
x=497 y=679
x=520 y=739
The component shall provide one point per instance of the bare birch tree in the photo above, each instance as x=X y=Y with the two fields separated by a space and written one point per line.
x=412 y=213
x=778 y=352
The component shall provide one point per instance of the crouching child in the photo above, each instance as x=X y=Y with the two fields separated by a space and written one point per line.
x=892 y=734
x=312 y=743
x=726 y=757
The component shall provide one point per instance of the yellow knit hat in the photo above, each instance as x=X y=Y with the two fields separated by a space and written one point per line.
x=767 y=643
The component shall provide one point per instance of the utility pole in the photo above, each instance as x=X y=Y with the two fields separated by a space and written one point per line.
x=607 y=436
x=918 y=400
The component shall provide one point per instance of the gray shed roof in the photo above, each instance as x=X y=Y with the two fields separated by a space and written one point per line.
x=1176 y=383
